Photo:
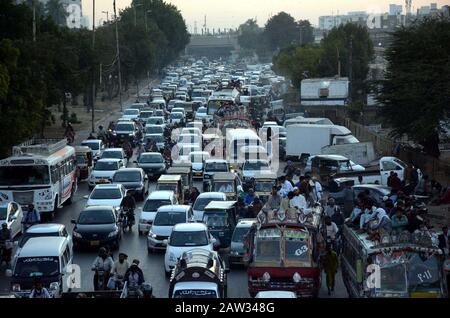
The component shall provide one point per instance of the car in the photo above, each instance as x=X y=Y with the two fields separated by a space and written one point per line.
x=11 y=213
x=115 y=153
x=203 y=200
x=134 y=180
x=185 y=151
x=184 y=237
x=189 y=138
x=376 y=192
x=138 y=106
x=143 y=115
x=179 y=110
x=158 y=138
x=125 y=130
x=96 y=145
x=353 y=166
x=159 y=113
x=166 y=218
x=198 y=159
x=131 y=113
x=103 y=171
x=107 y=194
x=44 y=230
x=97 y=226
x=152 y=163
x=156 y=121
x=154 y=201
x=154 y=129
x=237 y=241
x=214 y=165
x=176 y=118
x=201 y=113
x=251 y=167
x=192 y=131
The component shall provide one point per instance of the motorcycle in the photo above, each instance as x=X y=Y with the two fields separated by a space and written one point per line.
x=127 y=219
x=100 y=278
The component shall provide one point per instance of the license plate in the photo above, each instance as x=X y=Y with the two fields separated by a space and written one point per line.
x=103 y=181
x=95 y=243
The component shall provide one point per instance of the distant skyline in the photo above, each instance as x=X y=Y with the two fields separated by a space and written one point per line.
x=232 y=13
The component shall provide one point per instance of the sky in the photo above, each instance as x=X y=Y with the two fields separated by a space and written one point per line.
x=231 y=13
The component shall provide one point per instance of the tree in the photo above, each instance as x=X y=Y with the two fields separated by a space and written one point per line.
x=249 y=35
x=56 y=10
x=350 y=45
x=415 y=94
x=306 y=32
x=281 y=31
x=297 y=63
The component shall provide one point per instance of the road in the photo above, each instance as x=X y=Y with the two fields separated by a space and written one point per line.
x=152 y=264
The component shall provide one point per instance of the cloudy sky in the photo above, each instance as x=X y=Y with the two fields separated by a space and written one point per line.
x=231 y=13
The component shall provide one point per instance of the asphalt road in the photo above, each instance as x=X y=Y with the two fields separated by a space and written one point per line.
x=152 y=264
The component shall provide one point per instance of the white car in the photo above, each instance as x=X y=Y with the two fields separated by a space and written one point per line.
x=103 y=171
x=107 y=194
x=166 y=218
x=184 y=237
x=198 y=159
x=203 y=200
x=192 y=131
x=185 y=151
x=201 y=113
x=11 y=213
x=115 y=153
x=343 y=167
x=154 y=201
x=96 y=145
x=176 y=118
x=131 y=113
x=178 y=110
x=189 y=139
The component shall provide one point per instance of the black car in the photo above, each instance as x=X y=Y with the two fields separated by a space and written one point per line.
x=133 y=179
x=125 y=130
x=97 y=226
x=152 y=163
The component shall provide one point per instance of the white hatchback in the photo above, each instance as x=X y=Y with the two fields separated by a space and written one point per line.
x=107 y=194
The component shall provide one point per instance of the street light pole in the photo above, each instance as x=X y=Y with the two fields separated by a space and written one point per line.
x=118 y=57
x=93 y=67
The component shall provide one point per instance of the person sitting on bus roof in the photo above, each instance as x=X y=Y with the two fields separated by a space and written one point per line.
x=355 y=216
x=298 y=201
x=369 y=213
x=399 y=221
x=384 y=222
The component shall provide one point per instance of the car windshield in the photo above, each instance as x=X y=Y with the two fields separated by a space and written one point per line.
x=268 y=245
x=151 y=159
x=106 y=166
x=296 y=245
x=154 y=130
x=213 y=220
x=201 y=110
x=195 y=293
x=106 y=194
x=264 y=186
x=239 y=234
x=28 y=235
x=188 y=238
x=176 y=115
x=131 y=112
x=96 y=217
x=24 y=175
x=169 y=218
x=92 y=145
x=224 y=186
x=124 y=127
x=201 y=203
x=185 y=151
x=3 y=212
x=155 y=138
x=216 y=167
x=111 y=155
x=36 y=266
x=145 y=114
x=155 y=121
x=154 y=205
x=127 y=176
x=423 y=272
x=256 y=166
x=198 y=158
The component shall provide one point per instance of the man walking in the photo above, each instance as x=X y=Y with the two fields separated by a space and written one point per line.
x=331 y=264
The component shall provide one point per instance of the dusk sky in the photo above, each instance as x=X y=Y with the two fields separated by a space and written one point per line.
x=231 y=13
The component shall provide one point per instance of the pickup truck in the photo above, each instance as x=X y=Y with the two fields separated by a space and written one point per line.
x=327 y=166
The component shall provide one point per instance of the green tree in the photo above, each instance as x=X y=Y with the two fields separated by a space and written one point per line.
x=350 y=45
x=297 y=63
x=249 y=35
x=281 y=31
x=306 y=32
x=415 y=94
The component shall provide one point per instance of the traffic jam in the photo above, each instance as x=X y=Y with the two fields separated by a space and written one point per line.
x=208 y=178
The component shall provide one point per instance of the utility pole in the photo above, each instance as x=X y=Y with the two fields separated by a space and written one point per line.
x=93 y=67
x=338 y=62
x=350 y=71
x=34 y=21
x=118 y=57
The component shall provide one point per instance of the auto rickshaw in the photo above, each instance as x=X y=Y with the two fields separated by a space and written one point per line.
x=84 y=161
x=220 y=217
x=228 y=183
x=263 y=184
x=173 y=183
x=186 y=177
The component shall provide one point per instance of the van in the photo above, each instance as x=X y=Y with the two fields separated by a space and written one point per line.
x=50 y=258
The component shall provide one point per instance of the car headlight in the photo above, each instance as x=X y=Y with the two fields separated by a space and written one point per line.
x=172 y=257
x=296 y=278
x=49 y=196
x=76 y=234
x=235 y=253
x=113 y=233
x=152 y=235
x=16 y=287
x=266 y=277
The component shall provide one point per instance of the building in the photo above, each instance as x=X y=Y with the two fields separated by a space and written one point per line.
x=395 y=9
x=324 y=91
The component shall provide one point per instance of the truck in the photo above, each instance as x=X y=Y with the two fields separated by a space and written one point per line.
x=309 y=139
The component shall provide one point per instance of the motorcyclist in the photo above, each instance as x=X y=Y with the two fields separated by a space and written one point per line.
x=101 y=134
x=134 y=277
x=32 y=217
x=128 y=148
x=69 y=133
x=128 y=205
x=103 y=262
x=119 y=269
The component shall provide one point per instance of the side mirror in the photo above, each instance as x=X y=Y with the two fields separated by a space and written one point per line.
x=85 y=197
x=8 y=273
x=73 y=221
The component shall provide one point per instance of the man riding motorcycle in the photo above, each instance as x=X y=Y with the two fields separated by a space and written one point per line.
x=134 y=277
x=119 y=270
x=128 y=148
x=127 y=207
x=102 y=266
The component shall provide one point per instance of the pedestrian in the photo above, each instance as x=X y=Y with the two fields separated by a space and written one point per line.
x=422 y=187
x=330 y=265
x=6 y=245
x=32 y=217
x=193 y=195
x=331 y=207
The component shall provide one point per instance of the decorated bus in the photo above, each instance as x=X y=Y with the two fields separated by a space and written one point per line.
x=40 y=172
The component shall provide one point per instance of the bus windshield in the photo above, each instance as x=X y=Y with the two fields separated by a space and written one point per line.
x=296 y=246
x=268 y=245
x=24 y=175
x=423 y=273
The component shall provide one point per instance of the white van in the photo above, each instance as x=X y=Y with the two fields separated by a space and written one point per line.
x=50 y=258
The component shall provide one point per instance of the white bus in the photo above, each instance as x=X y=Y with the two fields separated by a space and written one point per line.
x=41 y=172
x=235 y=140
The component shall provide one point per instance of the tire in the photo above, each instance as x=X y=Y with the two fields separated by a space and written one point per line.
x=53 y=213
